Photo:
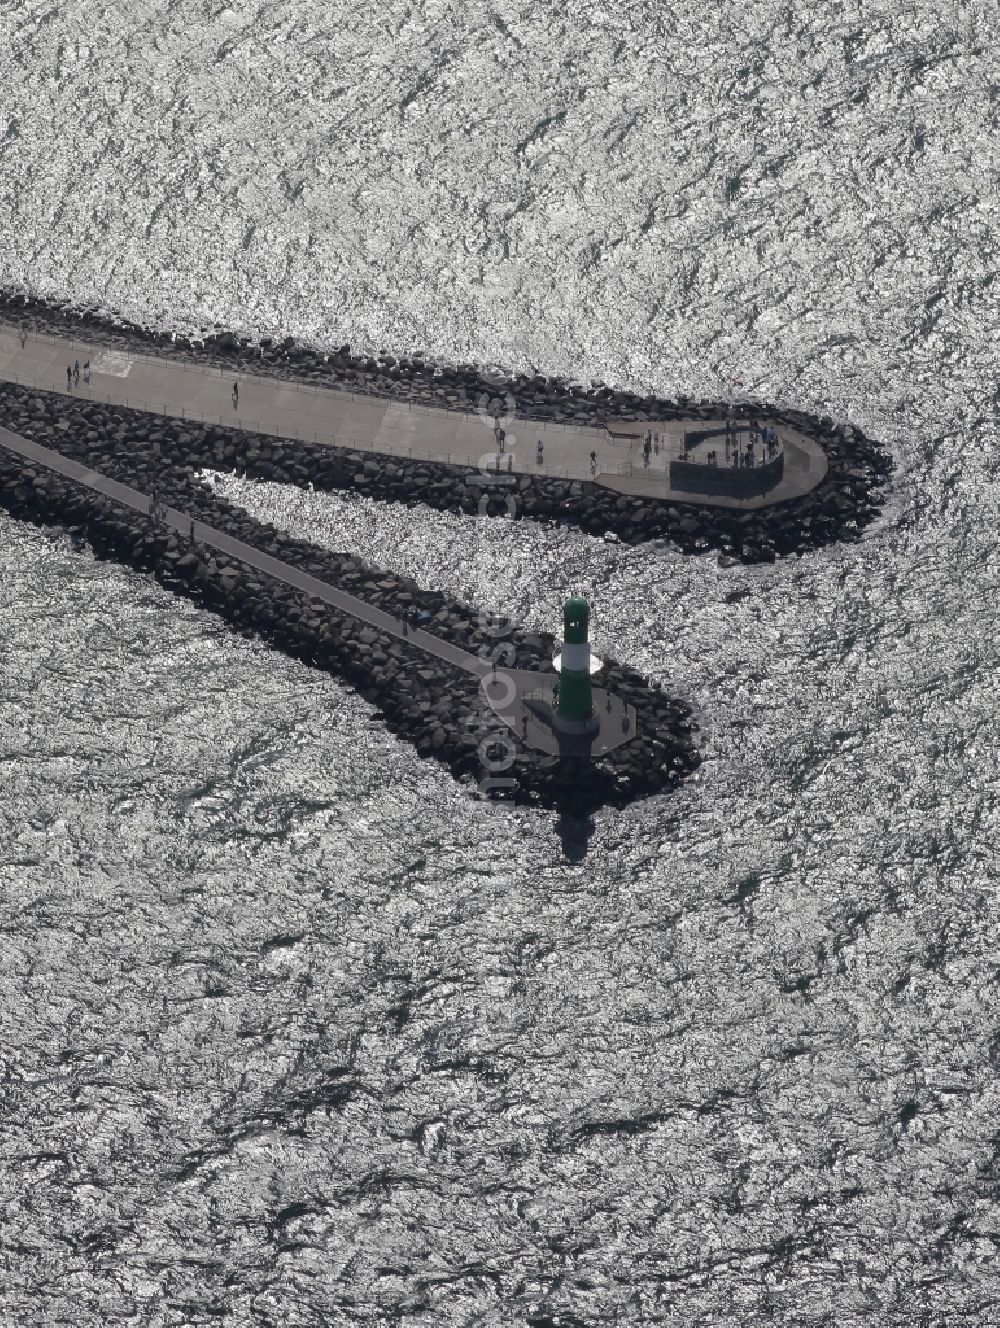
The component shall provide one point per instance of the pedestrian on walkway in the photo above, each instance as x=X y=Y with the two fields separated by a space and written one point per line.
x=236 y=395
x=510 y=462
x=86 y=371
x=498 y=463
x=69 y=377
x=593 y=463
x=501 y=439
x=24 y=338
x=76 y=372
x=538 y=453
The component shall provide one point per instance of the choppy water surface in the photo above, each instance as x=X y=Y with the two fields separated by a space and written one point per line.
x=294 y=1030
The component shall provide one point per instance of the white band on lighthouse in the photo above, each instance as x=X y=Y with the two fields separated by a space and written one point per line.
x=576 y=656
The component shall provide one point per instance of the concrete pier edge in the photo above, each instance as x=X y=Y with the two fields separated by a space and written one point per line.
x=68 y=464
x=847 y=499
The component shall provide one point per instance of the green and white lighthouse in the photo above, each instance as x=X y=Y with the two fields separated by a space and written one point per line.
x=574 y=663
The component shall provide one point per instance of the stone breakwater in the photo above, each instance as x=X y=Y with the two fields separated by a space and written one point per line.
x=848 y=498
x=427 y=701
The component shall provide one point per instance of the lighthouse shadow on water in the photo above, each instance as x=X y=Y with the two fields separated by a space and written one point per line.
x=574 y=833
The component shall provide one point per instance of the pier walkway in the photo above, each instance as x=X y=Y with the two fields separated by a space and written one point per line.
x=331 y=415
x=512 y=693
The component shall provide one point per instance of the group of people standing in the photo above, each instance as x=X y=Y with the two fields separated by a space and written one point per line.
x=764 y=435
x=73 y=374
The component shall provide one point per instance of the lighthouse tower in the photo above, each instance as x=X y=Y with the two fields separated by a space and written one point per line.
x=574 y=663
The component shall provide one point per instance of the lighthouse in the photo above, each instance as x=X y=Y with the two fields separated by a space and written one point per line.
x=574 y=663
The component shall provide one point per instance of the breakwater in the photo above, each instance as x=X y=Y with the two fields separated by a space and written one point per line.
x=421 y=697
x=837 y=509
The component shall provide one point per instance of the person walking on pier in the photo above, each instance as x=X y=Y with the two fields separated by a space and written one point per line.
x=538 y=453
x=86 y=371
x=76 y=372
x=69 y=377
x=593 y=463
x=236 y=395
x=24 y=337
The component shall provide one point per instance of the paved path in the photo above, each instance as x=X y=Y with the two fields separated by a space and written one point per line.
x=245 y=553
x=334 y=416
x=511 y=693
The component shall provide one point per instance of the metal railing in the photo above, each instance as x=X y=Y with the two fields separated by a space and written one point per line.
x=296 y=384
x=83 y=391
x=693 y=438
x=527 y=427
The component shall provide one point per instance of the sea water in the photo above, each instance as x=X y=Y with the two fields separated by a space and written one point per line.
x=297 y=1031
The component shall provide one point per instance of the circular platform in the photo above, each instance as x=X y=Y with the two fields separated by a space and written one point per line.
x=525 y=702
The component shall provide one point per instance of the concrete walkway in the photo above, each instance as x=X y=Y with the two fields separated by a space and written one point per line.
x=334 y=416
x=512 y=693
x=244 y=553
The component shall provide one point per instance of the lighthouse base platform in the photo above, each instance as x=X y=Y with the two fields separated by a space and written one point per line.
x=547 y=713
x=526 y=703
